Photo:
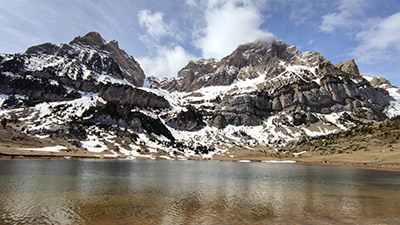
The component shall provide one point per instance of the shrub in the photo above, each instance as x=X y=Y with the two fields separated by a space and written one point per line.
x=4 y=123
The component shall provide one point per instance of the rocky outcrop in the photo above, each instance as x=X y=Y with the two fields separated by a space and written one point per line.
x=35 y=90
x=334 y=95
x=90 y=39
x=247 y=110
x=381 y=83
x=191 y=77
x=190 y=120
x=126 y=95
x=129 y=67
x=349 y=66
x=46 y=48
x=131 y=70
x=112 y=114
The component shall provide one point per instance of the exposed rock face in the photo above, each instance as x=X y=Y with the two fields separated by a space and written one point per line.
x=246 y=62
x=380 y=82
x=125 y=95
x=131 y=70
x=190 y=74
x=90 y=39
x=190 y=120
x=349 y=66
x=287 y=80
x=35 y=89
x=46 y=48
x=332 y=96
x=114 y=114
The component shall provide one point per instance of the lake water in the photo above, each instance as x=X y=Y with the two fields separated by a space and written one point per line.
x=193 y=192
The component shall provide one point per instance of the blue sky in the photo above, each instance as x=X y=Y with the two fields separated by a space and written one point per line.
x=164 y=35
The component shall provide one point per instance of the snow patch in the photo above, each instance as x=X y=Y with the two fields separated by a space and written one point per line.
x=93 y=144
x=393 y=109
x=276 y=161
x=56 y=148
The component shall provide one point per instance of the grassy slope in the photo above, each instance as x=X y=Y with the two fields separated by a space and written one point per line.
x=369 y=145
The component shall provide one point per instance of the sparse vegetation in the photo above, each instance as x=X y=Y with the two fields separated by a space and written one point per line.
x=119 y=112
x=299 y=119
x=360 y=138
x=3 y=123
x=198 y=149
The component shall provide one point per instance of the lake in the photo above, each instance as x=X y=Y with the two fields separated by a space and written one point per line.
x=193 y=192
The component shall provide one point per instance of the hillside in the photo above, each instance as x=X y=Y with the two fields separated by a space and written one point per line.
x=374 y=145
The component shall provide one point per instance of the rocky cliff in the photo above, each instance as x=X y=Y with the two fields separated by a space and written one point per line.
x=280 y=79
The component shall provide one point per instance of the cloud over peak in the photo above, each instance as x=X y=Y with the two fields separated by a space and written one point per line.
x=167 y=61
x=227 y=25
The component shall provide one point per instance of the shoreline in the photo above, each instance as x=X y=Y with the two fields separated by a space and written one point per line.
x=391 y=167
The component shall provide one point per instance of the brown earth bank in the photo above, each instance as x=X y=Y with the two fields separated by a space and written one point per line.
x=371 y=146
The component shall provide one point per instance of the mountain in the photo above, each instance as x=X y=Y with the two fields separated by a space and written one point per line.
x=88 y=97
x=90 y=57
x=266 y=78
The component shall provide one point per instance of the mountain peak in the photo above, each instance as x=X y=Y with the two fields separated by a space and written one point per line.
x=349 y=66
x=91 y=39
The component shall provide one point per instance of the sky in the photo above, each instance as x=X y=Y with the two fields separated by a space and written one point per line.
x=164 y=35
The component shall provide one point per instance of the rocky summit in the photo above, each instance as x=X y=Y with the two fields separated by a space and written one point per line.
x=88 y=97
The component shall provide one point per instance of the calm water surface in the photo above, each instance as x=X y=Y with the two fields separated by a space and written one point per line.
x=193 y=192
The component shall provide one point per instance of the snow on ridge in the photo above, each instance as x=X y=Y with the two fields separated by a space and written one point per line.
x=369 y=78
x=3 y=98
x=107 y=79
x=393 y=109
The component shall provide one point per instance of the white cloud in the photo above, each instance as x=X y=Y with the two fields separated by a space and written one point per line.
x=154 y=23
x=377 y=39
x=228 y=24
x=346 y=17
x=167 y=62
x=161 y=59
x=191 y=3
x=380 y=41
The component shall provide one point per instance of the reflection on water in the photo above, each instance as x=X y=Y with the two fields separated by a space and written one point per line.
x=193 y=192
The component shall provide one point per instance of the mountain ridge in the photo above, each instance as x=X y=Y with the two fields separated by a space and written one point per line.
x=89 y=96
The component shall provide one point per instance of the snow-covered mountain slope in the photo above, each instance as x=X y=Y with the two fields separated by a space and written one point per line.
x=91 y=95
x=393 y=109
x=86 y=58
